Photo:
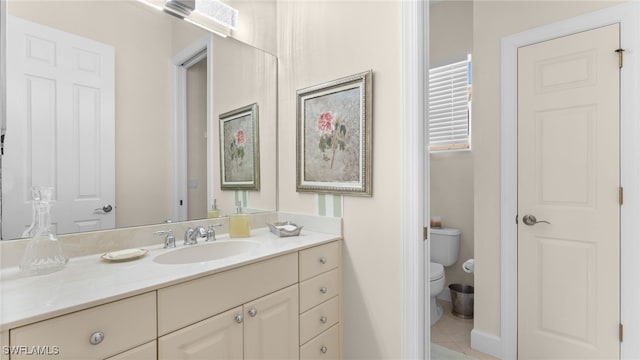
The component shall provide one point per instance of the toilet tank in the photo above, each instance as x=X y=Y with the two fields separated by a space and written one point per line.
x=445 y=245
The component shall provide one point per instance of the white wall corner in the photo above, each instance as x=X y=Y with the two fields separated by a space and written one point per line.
x=486 y=343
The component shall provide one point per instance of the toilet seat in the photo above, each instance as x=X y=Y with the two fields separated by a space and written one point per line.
x=436 y=271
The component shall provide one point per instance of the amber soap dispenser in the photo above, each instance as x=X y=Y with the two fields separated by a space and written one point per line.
x=239 y=223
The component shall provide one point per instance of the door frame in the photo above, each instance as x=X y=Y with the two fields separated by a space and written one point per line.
x=628 y=16
x=414 y=202
x=199 y=49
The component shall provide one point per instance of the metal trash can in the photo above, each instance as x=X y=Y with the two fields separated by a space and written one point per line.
x=462 y=300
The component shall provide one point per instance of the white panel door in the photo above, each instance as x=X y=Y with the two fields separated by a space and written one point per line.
x=568 y=175
x=60 y=128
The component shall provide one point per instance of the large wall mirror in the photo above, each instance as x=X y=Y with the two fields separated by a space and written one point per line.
x=146 y=152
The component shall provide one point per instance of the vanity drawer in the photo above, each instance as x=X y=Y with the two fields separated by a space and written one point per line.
x=325 y=346
x=189 y=302
x=319 y=319
x=124 y=324
x=318 y=289
x=319 y=259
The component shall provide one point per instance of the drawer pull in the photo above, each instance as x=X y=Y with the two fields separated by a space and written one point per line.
x=324 y=289
x=323 y=319
x=96 y=338
x=238 y=318
x=323 y=349
x=323 y=260
x=253 y=312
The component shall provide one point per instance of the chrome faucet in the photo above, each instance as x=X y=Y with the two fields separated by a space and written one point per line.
x=191 y=235
x=169 y=239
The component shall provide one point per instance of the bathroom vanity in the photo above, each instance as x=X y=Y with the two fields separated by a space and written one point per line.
x=281 y=299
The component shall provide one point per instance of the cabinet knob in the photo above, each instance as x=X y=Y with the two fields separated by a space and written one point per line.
x=96 y=338
x=323 y=319
x=323 y=289
x=323 y=260
x=238 y=318
x=253 y=312
x=323 y=349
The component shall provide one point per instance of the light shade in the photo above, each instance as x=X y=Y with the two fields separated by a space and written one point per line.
x=218 y=11
x=211 y=15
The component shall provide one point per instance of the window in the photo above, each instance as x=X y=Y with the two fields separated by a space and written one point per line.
x=450 y=106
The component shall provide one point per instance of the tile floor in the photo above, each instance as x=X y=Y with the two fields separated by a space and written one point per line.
x=455 y=334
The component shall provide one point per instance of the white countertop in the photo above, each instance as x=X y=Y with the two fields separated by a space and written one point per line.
x=88 y=281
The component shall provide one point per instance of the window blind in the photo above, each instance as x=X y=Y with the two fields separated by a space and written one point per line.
x=449 y=106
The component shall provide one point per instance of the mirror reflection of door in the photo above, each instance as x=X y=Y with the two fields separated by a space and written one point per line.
x=197 y=139
x=60 y=128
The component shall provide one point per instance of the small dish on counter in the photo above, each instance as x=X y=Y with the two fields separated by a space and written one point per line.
x=285 y=228
x=124 y=255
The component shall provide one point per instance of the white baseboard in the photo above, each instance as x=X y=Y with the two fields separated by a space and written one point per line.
x=486 y=343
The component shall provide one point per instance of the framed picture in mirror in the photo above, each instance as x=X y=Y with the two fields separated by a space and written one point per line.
x=240 y=149
x=334 y=138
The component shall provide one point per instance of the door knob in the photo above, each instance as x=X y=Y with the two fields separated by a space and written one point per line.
x=104 y=210
x=531 y=220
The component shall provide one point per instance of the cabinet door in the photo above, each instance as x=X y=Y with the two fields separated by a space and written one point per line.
x=216 y=338
x=271 y=326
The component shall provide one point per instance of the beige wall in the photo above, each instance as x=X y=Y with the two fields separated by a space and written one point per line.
x=452 y=199
x=256 y=23
x=451 y=193
x=319 y=41
x=492 y=21
x=451 y=31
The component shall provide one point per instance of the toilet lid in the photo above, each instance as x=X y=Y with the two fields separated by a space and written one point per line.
x=436 y=271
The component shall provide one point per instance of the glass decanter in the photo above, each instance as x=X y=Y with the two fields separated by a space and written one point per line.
x=44 y=251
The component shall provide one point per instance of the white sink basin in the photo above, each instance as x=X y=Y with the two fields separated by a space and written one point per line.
x=216 y=250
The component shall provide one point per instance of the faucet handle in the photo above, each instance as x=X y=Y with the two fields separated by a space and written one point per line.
x=211 y=233
x=169 y=240
x=188 y=234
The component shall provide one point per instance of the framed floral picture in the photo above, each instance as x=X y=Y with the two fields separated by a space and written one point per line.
x=334 y=136
x=240 y=149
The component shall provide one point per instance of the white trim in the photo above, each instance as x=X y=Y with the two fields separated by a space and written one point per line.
x=212 y=124
x=414 y=334
x=3 y=69
x=196 y=51
x=628 y=15
x=3 y=88
x=486 y=343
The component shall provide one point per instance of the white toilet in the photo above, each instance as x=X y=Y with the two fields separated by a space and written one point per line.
x=445 y=248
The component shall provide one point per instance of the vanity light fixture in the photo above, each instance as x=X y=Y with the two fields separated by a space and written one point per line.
x=211 y=15
x=218 y=11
